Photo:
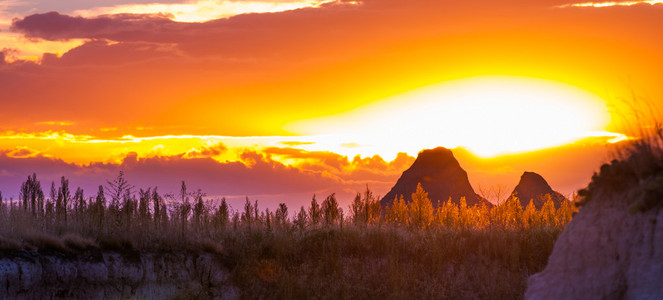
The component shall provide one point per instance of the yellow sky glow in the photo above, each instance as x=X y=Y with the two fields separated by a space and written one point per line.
x=488 y=115
x=83 y=149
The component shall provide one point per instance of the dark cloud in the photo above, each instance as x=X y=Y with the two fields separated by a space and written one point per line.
x=338 y=30
x=6 y=54
x=374 y=167
x=209 y=151
x=299 y=33
x=19 y=152
x=113 y=54
x=262 y=177
x=355 y=174
x=13 y=171
x=54 y=26
x=330 y=159
x=256 y=175
x=375 y=162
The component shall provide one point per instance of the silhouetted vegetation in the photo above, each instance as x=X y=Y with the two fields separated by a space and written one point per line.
x=638 y=162
x=406 y=250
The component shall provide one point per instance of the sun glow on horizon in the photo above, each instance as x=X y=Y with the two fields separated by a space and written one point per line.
x=488 y=115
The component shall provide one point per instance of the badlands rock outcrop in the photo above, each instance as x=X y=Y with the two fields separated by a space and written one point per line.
x=613 y=247
x=440 y=175
x=533 y=187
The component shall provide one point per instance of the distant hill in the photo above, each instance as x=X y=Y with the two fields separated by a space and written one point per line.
x=440 y=175
x=533 y=186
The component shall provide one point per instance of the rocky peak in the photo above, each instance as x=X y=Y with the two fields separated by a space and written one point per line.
x=440 y=175
x=533 y=186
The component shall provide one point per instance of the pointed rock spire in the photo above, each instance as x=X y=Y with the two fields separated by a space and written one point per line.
x=532 y=186
x=440 y=175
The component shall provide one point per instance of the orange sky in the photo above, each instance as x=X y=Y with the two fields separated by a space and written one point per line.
x=202 y=85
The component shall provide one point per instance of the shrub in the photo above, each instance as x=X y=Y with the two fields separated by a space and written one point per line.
x=44 y=241
x=77 y=242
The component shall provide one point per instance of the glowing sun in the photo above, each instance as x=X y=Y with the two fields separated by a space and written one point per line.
x=488 y=115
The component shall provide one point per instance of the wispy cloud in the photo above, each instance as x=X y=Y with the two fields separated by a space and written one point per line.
x=205 y=10
x=45 y=135
x=612 y=3
x=55 y=123
x=21 y=152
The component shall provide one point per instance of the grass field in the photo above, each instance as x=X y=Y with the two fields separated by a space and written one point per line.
x=406 y=250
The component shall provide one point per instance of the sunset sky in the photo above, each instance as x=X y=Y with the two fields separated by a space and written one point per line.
x=282 y=99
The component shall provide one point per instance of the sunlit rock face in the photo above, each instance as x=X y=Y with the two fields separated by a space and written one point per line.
x=605 y=252
x=440 y=175
x=532 y=186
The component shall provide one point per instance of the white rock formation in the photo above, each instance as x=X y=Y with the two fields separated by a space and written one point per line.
x=605 y=253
